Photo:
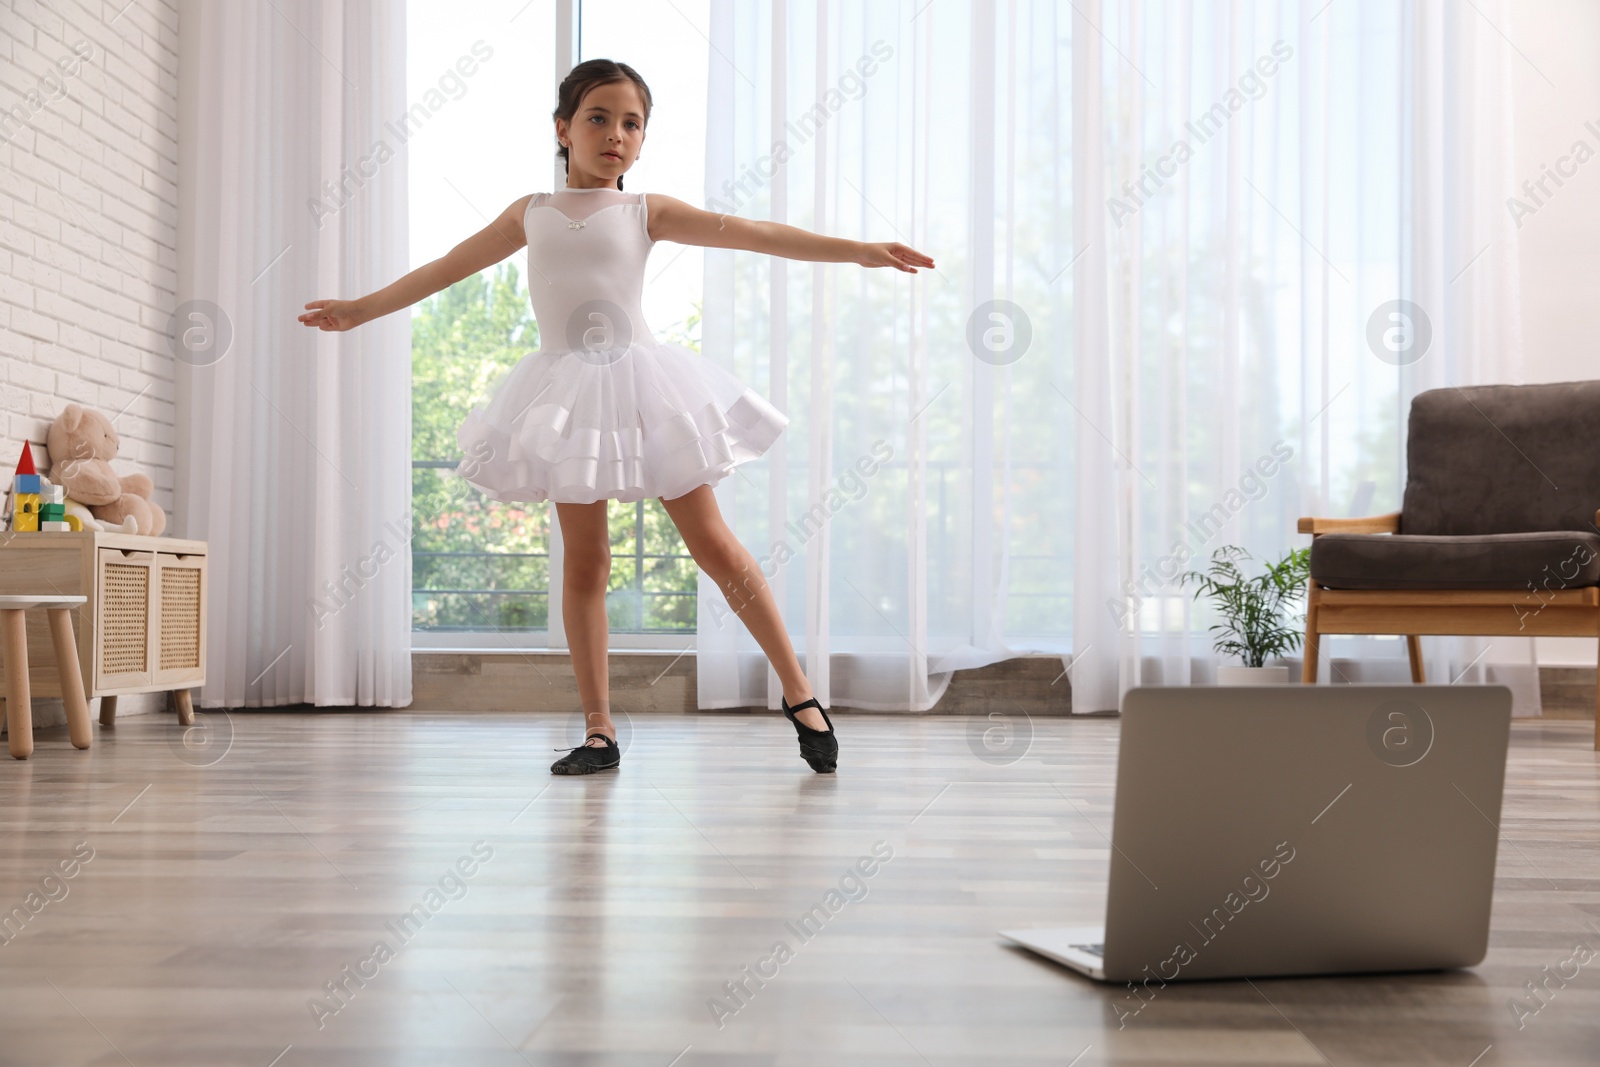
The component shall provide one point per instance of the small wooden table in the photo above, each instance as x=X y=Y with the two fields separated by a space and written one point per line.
x=14 y=639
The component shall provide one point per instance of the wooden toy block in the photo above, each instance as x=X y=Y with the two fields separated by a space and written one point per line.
x=55 y=527
x=25 y=486
x=52 y=512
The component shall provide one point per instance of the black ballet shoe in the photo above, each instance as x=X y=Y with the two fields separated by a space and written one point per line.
x=587 y=758
x=819 y=748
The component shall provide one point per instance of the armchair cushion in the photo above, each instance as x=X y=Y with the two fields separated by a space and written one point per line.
x=1529 y=561
x=1500 y=459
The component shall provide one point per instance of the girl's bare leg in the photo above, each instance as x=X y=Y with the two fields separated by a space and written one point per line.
x=586 y=571
x=737 y=574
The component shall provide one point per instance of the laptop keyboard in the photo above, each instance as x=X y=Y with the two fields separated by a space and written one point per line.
x=1097 y=949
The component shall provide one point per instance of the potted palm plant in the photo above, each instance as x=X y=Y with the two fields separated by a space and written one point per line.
x=1254 y=626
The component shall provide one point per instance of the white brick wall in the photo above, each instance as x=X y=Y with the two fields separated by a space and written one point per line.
x=88 y=223
x=88 y=233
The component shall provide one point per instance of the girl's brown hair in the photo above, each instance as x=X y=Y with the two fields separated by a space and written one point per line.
x=588 y=75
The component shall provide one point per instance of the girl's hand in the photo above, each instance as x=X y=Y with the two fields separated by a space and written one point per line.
x=334 y=315
x=892 y=254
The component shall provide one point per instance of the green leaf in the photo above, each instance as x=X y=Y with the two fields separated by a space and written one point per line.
x=1254 y=626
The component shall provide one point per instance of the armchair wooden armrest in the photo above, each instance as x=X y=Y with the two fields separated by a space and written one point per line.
x=1389 y=523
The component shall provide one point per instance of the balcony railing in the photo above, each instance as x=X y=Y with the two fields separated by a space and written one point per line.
x=505 y=591
x=491 y=590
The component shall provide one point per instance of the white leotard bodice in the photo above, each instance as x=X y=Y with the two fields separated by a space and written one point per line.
x=586 y=256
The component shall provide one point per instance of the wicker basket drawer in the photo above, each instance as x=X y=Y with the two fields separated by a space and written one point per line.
x=181 y=633
x=125 y=606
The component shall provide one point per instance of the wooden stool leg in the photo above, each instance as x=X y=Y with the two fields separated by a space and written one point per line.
x=108 y=710
x=1414 y=651
x=72 y=697
x=185 y=707
x=1597 y=712
x=19 y=706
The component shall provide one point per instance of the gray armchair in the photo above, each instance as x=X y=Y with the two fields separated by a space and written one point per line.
x=1497 y=532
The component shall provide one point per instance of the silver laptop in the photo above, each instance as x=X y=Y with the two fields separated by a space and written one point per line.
x=1283 y=830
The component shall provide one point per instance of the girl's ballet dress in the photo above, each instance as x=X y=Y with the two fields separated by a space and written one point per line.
x=601 y=409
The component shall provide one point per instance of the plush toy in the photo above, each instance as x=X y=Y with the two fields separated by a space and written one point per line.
x=87 y=521
x=82 y=444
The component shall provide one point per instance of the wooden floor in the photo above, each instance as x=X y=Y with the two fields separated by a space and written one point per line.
x=227 y=900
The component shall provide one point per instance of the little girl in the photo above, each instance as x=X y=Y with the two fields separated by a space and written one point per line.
x=602 y=411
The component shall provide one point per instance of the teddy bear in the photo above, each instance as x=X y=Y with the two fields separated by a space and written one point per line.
x=82 y=443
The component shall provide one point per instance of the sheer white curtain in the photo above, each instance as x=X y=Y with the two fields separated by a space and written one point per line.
x=293 y=445
x=915 y=516
x=1164 y=231
x=1272 y=175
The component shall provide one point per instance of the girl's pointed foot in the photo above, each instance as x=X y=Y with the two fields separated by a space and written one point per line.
x=819 y=748
x=588 y=757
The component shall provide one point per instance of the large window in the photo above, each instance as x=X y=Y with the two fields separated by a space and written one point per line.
x=480 y=567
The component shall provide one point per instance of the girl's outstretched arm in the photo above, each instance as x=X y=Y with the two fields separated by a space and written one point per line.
x=671 y=219
x=483 y=249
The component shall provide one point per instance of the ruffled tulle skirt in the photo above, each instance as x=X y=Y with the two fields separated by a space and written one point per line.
x=654 y=420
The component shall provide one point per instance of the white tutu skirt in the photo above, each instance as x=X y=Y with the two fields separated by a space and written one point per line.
x=656 y=421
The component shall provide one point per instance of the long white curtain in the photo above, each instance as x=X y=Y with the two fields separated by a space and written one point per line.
x=915 y=516
x=1166 y=235
x=293 y=445
x=1267 y=180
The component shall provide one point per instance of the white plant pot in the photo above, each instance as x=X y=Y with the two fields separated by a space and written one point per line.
x=1252 y=675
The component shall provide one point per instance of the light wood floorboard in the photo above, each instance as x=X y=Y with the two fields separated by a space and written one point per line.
x=230 y=880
